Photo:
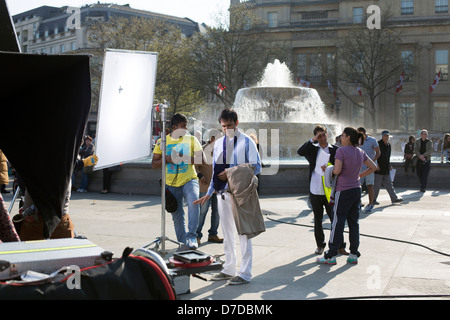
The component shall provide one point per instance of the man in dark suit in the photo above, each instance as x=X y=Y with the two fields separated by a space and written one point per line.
x=314 y=149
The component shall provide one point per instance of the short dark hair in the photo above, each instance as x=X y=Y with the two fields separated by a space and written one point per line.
x=228 y=114
x=176 y=119
x=319 y=128
x=361 y=129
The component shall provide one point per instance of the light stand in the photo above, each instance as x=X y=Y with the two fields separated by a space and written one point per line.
x=159 y=244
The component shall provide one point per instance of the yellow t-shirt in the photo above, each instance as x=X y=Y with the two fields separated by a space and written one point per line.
x=181 y=151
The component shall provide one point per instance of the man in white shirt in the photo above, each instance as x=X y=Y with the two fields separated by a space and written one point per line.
x=319 y=152
x=232 y=149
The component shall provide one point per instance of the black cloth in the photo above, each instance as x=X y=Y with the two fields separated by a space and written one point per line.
x=384 y=161
x=309 y=150
x=45 y=100
x=7 y=34
x=423 y=146
x=127 y=278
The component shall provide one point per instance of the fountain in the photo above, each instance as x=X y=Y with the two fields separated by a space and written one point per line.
x=276 y=105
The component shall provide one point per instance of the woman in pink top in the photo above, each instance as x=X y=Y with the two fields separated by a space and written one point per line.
x=348 y=162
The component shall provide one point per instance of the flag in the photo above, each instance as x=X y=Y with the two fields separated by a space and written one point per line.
x=220 y=88
x=435 y=82
x=358 y=89
x=330 y=87
x=304 y=83
x=400 y=83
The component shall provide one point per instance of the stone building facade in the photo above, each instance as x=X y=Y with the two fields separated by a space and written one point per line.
x=309 y=29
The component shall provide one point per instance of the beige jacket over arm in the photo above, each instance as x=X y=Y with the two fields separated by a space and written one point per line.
x=242 y=184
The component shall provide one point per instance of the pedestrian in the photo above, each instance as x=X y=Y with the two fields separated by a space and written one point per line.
x=234 y=149
x=87 y=150
x=372 y=149
x=319 y=152
x=182 y=152
x=4 y=176
x=107 y=177
x=422 y=149
x=204 y=174
x=8 y=232
x=408 y=155
x=383 y=172
x=348 y=162
x=445 y=148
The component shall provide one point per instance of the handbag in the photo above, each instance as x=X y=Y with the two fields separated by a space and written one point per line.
x=171 y=201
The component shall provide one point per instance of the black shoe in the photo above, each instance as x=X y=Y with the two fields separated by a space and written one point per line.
x=397 y=200
x=422 y=190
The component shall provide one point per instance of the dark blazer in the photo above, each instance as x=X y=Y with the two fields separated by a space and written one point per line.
x=309 y=150
x=384 y=161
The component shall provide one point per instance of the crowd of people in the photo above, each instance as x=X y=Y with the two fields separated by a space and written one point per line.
x=358 y=160
x=220 y=175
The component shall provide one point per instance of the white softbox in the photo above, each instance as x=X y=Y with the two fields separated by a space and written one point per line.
x=124 y=128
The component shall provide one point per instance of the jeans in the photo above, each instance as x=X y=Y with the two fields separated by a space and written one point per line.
x=189 y=192
x=84 y=181
x=211 y=202
x=423 y=170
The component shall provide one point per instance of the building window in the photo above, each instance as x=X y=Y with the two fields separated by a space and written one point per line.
x=408 y=64
x=272 y=17
x=52 y=50
x=441 y=116
x=315 y=68
x=73 y=46
x=441 y=6
x=331 y=64
x=358 y=114
x=442 y=63
x=301 y=66
x=315 y=15
x=407 y=7
x=62 y=49
x=358 y=15
x=407 y=116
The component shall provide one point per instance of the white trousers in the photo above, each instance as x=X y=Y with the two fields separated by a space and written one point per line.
x=229 y=240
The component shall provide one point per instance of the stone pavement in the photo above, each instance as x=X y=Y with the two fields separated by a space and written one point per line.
x=284 y=266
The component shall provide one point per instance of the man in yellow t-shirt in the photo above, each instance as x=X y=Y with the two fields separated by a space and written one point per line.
x=183 y=151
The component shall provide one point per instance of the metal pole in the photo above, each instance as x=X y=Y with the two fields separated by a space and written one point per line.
x=13 y=200
x=163 y=183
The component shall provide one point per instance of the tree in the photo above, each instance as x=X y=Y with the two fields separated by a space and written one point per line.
x=231 y=55
x=173 y=81
x=371 y=58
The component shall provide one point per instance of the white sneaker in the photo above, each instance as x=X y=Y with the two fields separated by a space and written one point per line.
x=192 y=243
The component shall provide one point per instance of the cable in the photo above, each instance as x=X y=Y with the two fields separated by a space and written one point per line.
x=412 y=296
x=381 y=238
x=364 y=235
